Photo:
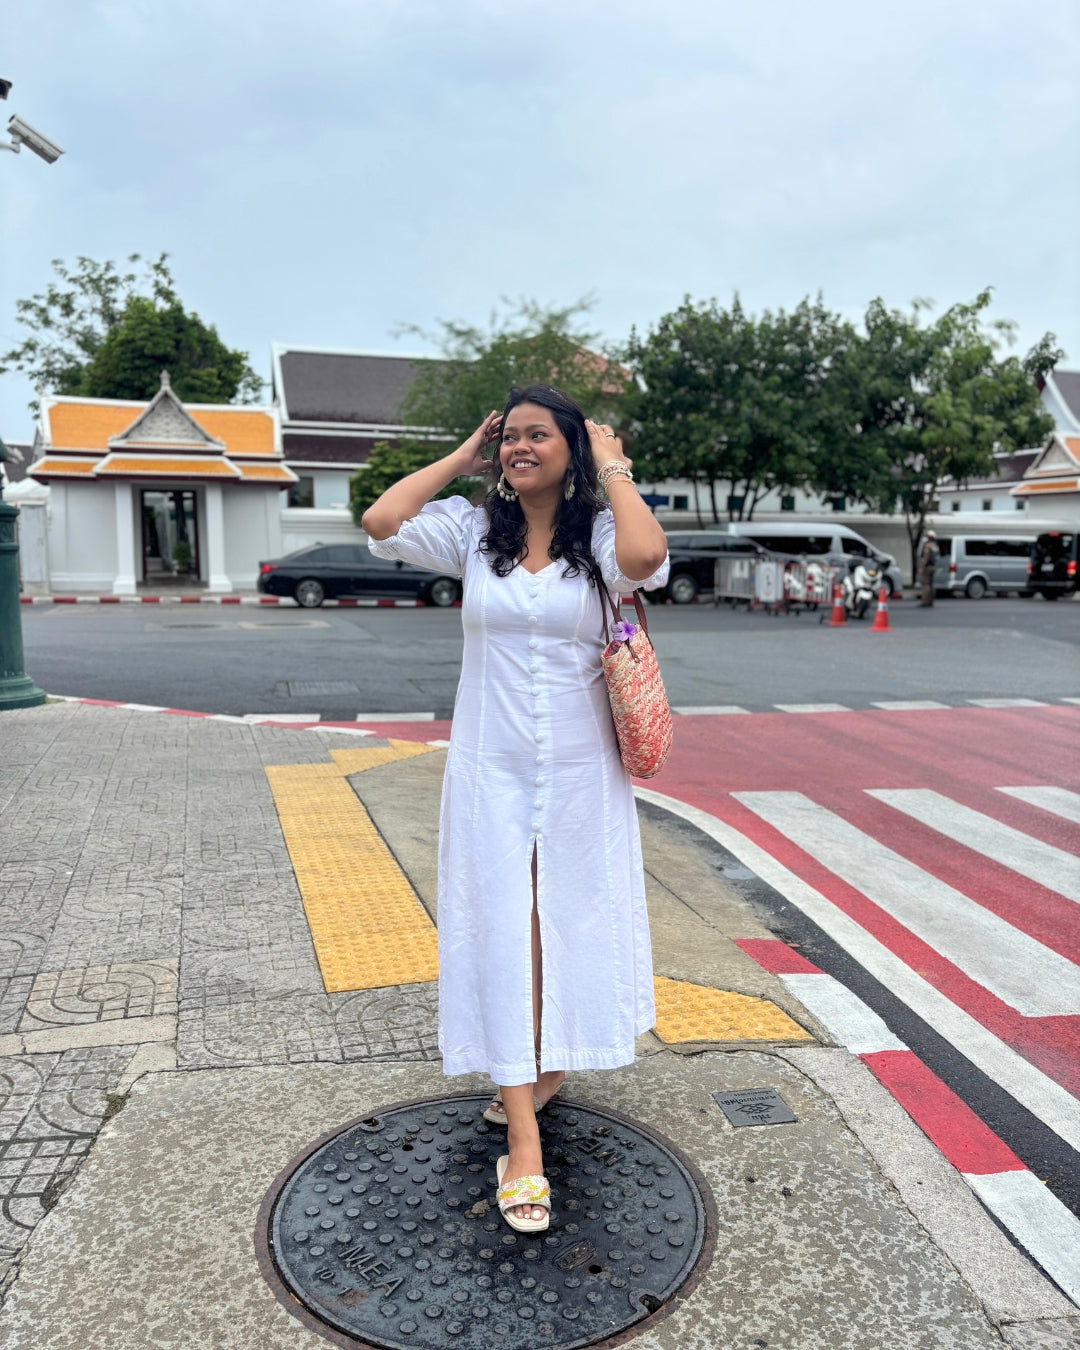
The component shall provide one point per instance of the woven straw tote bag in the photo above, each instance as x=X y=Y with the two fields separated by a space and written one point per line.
x=635 y=690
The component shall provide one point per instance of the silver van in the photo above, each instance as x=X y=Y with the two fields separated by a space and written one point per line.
x=836 y=545
x=975 y=564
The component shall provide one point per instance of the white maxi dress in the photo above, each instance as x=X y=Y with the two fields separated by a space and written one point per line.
x=533 y=764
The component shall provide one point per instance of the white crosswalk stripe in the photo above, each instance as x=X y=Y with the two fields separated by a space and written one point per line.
x=811 y=707
x=1046 y=1099
x=721 y=710
x=909 y=705
x=1017 y=969
x=1049 y=866
x=1059 y=800
x=1038 y=1220
x=1006 y=703
x=843 y=1014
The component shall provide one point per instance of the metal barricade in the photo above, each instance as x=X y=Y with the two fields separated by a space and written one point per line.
x=733 y=580
x=808 y=584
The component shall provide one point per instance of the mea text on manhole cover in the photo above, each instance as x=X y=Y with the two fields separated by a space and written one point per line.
x=388 y=1234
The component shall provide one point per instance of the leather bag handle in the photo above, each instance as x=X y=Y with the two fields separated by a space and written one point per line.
x=642 y=620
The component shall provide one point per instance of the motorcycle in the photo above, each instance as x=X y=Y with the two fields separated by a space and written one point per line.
x=860 y=586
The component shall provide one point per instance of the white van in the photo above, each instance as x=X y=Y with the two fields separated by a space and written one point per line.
x=974 y=564
x=833 y=544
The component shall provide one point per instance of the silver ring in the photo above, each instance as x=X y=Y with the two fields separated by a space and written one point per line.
x=610 y=435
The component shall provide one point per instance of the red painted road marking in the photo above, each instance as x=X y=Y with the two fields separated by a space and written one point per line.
x=777 y=957
x=969 y=1144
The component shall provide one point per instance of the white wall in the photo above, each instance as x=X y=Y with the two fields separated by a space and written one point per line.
x=302 y=527
x=1047 y=509
x=82 y=536
x=252 y=530
x=32 y=533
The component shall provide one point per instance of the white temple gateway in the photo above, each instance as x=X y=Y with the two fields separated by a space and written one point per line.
x=159 y=493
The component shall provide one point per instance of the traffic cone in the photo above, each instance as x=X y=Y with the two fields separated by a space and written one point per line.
x=839 y=614
x=881 y=618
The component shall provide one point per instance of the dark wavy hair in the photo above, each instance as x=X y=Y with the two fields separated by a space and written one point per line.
x=572 y=541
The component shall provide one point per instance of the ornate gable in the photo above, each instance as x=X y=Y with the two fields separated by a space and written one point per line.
x=166 y=424
x=1056 y=458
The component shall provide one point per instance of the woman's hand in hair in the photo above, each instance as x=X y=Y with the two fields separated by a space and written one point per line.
x=405 y=498
x=475 y=453
x=605 y=445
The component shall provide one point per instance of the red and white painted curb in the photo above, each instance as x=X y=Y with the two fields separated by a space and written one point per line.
x=346 y=602
x=397 y=725
x=349 y=602
x=1035 y=1217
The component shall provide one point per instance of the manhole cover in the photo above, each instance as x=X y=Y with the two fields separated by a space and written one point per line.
x=387 y=1233
x=315 y=688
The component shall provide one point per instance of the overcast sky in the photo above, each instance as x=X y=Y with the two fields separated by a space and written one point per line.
x=323 y=171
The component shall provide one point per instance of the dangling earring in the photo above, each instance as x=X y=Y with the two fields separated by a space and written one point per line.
x=508 y=494
x=569 y=489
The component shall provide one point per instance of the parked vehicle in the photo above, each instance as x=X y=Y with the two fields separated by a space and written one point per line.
x=835 y=545
x=331 y=571
x=1053 y=566
x=693 y=562
x=974 y=564
x=860 y=586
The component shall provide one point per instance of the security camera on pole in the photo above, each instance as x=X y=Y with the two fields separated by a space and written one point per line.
x=17 y=689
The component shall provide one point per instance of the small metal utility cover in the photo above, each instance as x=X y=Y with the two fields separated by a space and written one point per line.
x=320 y=688
x=387 y=1233
x=755 y=1106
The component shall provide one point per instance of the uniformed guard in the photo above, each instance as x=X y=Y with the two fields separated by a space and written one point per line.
x=928 y=561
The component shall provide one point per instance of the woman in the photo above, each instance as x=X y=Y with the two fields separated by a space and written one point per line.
x=544 y=953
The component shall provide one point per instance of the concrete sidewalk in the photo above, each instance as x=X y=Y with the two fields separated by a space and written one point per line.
x=205 y=965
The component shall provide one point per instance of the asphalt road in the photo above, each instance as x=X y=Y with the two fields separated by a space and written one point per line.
x=342 y=662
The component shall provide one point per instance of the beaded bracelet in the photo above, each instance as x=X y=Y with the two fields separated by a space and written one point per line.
x=613 y=469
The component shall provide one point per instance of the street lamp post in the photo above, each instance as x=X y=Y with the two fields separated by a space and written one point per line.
x=17 y=689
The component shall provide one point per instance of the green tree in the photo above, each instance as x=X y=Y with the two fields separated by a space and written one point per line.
x=387 y=463
x=474 y=371
x=726 y=398
x=929 y=403
x=101 y=332
x=477 y=367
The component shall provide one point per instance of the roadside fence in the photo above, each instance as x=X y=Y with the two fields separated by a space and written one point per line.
x=772 y=584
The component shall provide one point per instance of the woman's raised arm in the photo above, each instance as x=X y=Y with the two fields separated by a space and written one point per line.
x=640 y=543
x=402 y=500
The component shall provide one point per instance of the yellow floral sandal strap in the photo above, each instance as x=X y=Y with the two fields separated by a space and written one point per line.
x=525 y=1191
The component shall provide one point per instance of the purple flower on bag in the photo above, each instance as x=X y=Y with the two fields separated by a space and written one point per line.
x=623 y=631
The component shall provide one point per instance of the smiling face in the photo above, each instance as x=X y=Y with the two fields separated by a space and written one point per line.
x=534 y=454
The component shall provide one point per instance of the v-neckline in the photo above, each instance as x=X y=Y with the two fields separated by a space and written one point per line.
x=541 y=572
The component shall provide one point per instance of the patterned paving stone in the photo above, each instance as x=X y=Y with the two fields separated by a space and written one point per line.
x=83 y=994
x=119 y=920
x=51 y=1107
x=384 y=1024
x=239 y=1026
x=22 y=1079
x=14 y=991
x=21 y=952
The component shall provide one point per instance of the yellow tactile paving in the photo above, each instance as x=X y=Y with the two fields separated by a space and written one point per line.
x=693 y=1012
x=367 y=924
x=367 y=757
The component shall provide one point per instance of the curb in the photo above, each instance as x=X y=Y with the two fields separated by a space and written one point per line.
x=352 y=602
x=288 y=601
x=1033 y=1216
x=281 y=721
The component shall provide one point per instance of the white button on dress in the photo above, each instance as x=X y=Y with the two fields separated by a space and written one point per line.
x=583 y=828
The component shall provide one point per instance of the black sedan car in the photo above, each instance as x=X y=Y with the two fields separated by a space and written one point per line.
x=337 y=571
x=693 y=562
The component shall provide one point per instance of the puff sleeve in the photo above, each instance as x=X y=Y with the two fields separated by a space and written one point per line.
x=603 y=546
x=440 y=537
